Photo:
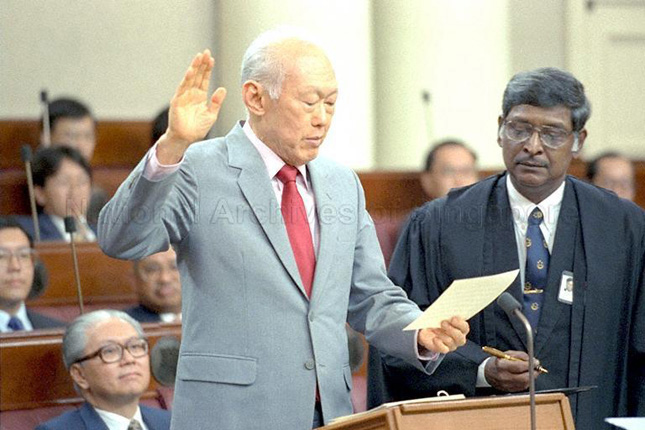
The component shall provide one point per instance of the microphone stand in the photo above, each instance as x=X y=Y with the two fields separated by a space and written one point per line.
x=529 y=341
x=512 y=307
x=25 y=152
x=46 y=125
x=70 y=227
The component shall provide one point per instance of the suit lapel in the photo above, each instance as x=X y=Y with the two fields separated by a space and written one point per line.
x=48 y=230
x=561 y=259
x=323 y=184
x=91 y=418
x=256 y=188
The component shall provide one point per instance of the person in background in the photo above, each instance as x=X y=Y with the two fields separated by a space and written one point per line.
x=158 y=288
x=72 y=124
x=18 y=278
x=449 y=164
x=106 y=354
x=614 y=172
x=62 y=186
x=267 y=284
x=554 y=228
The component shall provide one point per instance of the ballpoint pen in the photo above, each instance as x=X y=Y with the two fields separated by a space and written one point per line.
x=499 y=354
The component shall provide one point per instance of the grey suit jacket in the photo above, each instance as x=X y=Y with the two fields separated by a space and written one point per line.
x=253 y=344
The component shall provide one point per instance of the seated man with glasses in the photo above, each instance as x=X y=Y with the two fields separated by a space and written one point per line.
x=158 y=288
x=18 y=277
x=106 y=354
x=581 y=255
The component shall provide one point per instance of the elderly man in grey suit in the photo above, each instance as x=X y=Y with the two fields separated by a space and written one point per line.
x=274 y=246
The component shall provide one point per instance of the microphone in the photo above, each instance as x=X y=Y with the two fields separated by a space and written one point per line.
x=70 y=227
x=47 y=140
x=163 y=360
x=25 y=154
x=513 y=308
x=427 y=114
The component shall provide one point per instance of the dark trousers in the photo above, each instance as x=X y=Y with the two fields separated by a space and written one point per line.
x=318 y=417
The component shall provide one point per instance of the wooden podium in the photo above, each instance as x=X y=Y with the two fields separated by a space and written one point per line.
x=486 y=413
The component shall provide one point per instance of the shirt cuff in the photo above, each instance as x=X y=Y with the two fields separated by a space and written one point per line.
x=155 y=171
x=481 y=377
x=423 y=353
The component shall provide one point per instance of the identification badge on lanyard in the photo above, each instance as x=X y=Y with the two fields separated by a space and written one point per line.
x=566 y=288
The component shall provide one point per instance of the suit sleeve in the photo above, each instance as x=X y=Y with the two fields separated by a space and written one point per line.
x=418 y=267
x=378 y=308
x=144 y=217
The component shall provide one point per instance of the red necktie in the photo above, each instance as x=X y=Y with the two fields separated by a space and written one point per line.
x=295 y=219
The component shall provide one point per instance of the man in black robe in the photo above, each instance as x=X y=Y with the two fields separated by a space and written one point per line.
x=594 y=335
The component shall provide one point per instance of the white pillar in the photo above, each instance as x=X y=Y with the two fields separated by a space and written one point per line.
x=457 y=51
x=343 y=27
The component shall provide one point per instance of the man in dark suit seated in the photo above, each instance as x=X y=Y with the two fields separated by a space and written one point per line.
x=158 y=288
x=615 y=172
x=106 y=354
x=449 y=164
x=18 y=275
x=62 y=186
x=580 y=251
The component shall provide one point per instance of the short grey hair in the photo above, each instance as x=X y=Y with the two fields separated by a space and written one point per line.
x=262 y=62
x=548 y=87
x=75 y=338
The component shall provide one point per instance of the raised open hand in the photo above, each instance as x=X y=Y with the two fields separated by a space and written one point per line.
x=191 y=113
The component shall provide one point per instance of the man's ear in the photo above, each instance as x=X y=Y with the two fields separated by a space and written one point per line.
x=78 y=376
x=427 y=184
x=500 y=122
x=39 y=194
x=253 y=95
x=579 y=142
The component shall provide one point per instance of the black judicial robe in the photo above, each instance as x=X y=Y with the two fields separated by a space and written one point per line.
x=598 y=340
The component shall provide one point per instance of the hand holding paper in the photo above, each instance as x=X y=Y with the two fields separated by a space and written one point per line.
x=449 y=337
x=464 y=297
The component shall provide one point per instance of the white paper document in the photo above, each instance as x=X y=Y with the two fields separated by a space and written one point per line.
x=627 y=423
x=464 y=297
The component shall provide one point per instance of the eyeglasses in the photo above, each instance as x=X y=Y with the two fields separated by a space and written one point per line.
x=552 y=137
x=113 y=352
x=23 y=255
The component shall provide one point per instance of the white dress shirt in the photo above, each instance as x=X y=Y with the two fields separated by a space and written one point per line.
x=21 y=315
x=119 y=422
x=521 y=208
x=59 y=223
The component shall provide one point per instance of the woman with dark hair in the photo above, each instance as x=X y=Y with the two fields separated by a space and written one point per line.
x=62 y=187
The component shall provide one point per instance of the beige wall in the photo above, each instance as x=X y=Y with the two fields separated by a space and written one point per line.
x=456 y=50
x=124 y=58
x=537 y=36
